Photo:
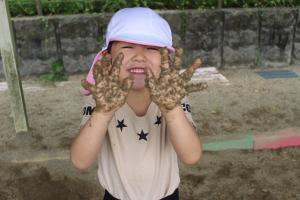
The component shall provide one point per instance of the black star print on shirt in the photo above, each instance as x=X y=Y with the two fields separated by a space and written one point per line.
x=158 y=120
x=143 y=136
x=186 y=107
x=121 y=125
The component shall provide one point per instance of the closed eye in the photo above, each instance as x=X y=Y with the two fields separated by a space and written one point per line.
x=127 y=47
x=153 y=48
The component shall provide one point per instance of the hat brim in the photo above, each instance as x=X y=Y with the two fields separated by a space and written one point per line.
x=143 y=42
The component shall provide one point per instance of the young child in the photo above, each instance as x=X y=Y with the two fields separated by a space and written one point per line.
x=133 y=121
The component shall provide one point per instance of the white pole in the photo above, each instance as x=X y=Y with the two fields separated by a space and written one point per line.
x=8 y=53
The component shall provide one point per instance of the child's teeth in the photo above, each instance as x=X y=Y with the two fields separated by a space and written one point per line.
x=137 y=70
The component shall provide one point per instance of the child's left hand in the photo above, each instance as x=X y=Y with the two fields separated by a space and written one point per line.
x=168 y=90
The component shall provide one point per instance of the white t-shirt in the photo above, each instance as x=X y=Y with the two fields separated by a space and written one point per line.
x=137 y=160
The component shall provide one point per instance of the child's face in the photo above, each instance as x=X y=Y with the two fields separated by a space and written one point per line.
x=136 y=59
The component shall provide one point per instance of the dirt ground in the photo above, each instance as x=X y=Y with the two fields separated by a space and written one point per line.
x=35 y=165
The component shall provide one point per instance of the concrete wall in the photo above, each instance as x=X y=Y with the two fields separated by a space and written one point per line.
x=223 y=38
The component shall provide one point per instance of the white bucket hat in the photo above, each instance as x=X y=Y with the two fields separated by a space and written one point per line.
x=135 y=25
x=139 y=26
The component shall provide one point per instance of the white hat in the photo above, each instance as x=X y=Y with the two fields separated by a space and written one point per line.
x=140 y=26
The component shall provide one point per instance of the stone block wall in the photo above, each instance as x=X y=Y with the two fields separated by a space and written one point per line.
x=81 y=37
x=276 y=36
x=203 y=36
x=224 y=38
x=240 y=42
x=35 y=44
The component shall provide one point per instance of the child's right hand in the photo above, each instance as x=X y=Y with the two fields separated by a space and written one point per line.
x=171 y=87
x=109 y=92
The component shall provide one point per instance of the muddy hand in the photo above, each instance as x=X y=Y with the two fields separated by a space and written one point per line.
x=109 y=92
x=168 y=90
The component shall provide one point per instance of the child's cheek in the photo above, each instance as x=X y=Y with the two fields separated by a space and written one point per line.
x=123 y=73
x=157 y=74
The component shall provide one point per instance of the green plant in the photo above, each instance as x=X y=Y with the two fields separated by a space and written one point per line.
x=112 y=6
x=57 y=72
x=51 y=7
x=21 y=8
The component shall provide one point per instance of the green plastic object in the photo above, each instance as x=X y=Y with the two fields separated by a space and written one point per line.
x=242 y=143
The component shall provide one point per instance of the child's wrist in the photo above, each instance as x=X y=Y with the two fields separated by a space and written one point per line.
x=103 y=116
x=171 y=115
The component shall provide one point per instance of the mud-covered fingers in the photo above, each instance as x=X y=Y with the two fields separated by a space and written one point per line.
x=150 y=79
x=177 y=58
x=106 y=65
x=164 y=59
x=157 y=98
x=96 y=71
x=196 y=87
x=188 y=73
x=120 y=100
x=197 y=63
x=96 y=67
x=155 y=90
x=88 y=86
x=127 y=84
x=169 y=76
x=101 y=68
x=117 y=62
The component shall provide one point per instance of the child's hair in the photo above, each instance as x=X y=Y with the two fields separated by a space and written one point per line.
x=135 y=25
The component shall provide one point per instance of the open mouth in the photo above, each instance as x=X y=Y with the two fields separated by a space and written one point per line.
x=137 y=70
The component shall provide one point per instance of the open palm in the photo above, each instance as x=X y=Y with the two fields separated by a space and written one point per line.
x=168 y=90
x=108 y=92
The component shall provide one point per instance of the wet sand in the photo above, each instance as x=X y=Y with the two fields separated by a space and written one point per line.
x=35 y=165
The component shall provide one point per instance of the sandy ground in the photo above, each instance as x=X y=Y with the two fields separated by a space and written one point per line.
x=35 y=165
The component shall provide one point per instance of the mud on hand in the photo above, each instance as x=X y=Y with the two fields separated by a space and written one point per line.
x=168 y=90
x=108 y=92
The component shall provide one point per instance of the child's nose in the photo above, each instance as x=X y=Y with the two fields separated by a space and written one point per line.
x=139 y=55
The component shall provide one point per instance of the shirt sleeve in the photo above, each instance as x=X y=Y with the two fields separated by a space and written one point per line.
x=88 y=108
x=187 y=110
